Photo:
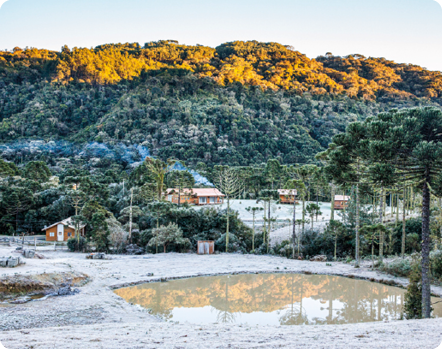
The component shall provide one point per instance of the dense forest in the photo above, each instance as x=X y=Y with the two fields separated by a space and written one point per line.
x=241 y=103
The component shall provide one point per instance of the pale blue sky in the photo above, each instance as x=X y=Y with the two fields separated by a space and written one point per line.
x=407 y=31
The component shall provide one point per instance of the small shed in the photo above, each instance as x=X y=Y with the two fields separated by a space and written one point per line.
x=62 y=231
x=341 y=202
x=287 y=196
x=206 y=247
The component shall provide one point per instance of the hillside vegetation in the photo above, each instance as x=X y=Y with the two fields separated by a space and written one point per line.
x=240 y=103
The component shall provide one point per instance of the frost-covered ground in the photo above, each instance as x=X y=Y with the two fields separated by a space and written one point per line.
x=97 y=318
x=279 y=211
x=282 y=213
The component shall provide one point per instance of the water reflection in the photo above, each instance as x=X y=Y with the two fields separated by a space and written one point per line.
x=285 y=299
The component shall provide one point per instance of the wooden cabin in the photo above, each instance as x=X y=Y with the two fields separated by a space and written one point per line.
x=287 y=196
x=341 y=202
x=62 y=231
x=196 y=196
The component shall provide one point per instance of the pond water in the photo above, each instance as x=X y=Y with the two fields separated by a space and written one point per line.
x=270 y=299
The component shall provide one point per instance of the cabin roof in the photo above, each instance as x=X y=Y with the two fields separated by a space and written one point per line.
x=67 y=221
x=197 y=191
x=342 y=198
x=287 y=192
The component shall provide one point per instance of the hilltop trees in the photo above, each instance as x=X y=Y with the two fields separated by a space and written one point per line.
x=242 y=103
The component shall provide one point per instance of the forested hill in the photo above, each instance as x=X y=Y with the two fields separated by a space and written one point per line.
x=240 y=103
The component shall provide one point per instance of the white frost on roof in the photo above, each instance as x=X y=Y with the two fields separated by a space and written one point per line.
x=287 y=192
x=68 y=222
x=342 y=198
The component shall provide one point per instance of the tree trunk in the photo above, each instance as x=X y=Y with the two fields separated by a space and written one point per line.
x=403 y=228
x=357 y=224
x=264 y=226
x=426 y=292
x=381 y=219
x=336 y=244
x=303 y=213
x=227 y=228
x=165 y=248
x=130 y=215
x=332 y=207
x=270 y=228
x=253 y=238
x=440 y=213
x=294 y=225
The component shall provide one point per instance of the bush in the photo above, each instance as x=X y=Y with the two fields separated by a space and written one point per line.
x=413 y=231
x=315 y=243
x=167 y=235
x=75 y=245
x=436 y=264
x=284 y=249
x=413 y=296
x=397 y=267
x=235 y=244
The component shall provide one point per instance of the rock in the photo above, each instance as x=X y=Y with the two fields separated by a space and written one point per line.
x=19 y=248
x=96 y=256
x=319 y=258
x=29 y=253
x=134 y=249
x=39 y=256
x=66 y=290
x=13 y=262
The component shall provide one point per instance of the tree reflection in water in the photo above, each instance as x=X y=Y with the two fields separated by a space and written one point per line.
x=286 y=299
x=225 y=315
x=295 y=313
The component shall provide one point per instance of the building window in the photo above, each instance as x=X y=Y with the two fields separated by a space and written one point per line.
x=203 y=200
x=169 y=197
x=212 y=199
x=52 y=234
x=69 y=234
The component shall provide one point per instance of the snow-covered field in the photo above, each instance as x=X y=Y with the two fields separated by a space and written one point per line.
x=98 y=318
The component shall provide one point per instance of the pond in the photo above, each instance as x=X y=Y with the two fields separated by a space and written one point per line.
x=270 y=299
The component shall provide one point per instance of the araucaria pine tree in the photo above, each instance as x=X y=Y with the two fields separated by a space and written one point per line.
x=409 y=141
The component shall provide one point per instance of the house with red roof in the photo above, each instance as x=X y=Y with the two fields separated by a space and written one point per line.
x=195 y=196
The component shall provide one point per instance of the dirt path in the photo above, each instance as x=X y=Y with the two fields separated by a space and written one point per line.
x=97 y=318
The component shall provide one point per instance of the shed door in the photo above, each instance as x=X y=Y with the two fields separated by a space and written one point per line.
x=60 y=232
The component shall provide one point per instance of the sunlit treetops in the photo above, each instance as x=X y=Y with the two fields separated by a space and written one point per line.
x=267 y=65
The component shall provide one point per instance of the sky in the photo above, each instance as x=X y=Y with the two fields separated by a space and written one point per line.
x=406 y=31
